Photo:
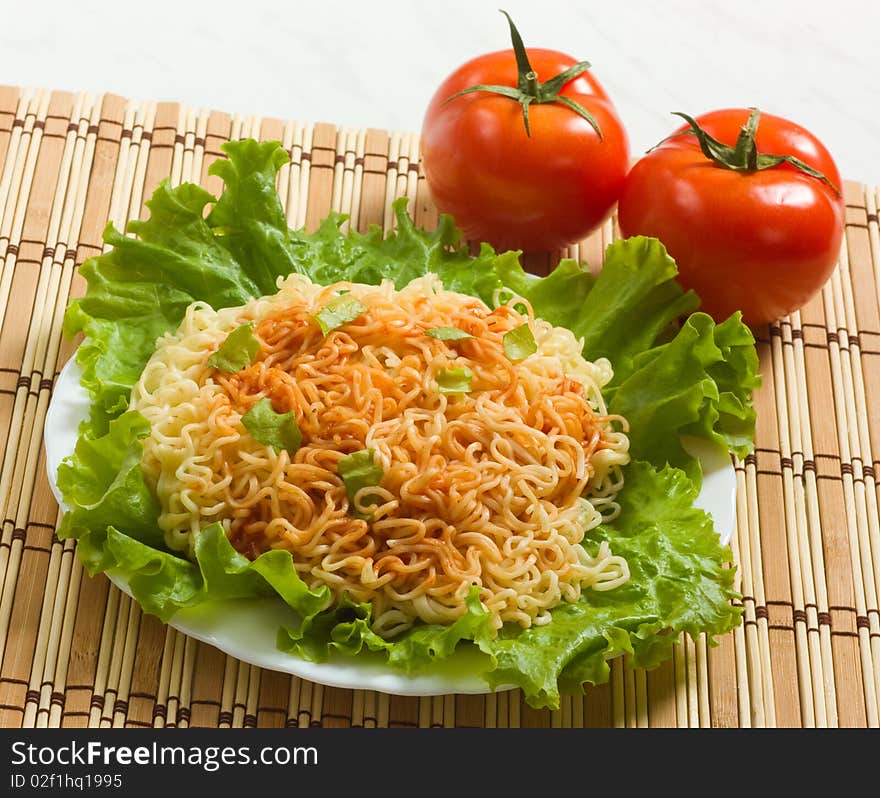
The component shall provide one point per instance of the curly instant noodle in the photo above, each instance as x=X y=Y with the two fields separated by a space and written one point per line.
x=495 y=486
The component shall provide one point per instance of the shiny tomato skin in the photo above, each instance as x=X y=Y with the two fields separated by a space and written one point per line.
x=762 y=242
x=535 y=193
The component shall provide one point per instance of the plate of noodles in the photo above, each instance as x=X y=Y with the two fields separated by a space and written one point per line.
x=378 y=461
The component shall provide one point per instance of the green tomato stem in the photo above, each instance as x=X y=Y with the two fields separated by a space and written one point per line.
x=529 y=90
x=744 y=156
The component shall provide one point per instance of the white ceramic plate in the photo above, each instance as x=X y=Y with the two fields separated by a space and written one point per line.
x=246 y=628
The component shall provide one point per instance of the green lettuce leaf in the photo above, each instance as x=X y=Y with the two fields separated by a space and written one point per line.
x=454 y=380
x=237 y=351
x=676 y=372
x=699 y=383
x=400 y=255
x=519 y=343
x=340 y=311
x=359 y=470
x=448 y=334
x=627 y=309
x=278 y=430
x=346 y=628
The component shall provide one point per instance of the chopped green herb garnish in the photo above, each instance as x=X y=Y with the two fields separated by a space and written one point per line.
x=237 y=351
x=519 y=343
x=339 y=311
x=457 y=380
x=448 y=334
x=359 y=470
x=278 y=430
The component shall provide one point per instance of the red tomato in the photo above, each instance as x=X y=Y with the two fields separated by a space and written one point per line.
x=762 y=241
x=518 y=191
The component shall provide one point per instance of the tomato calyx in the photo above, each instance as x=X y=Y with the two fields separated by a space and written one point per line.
x=529 y=90
x=744 y=155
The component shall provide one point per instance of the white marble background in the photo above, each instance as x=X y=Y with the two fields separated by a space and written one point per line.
x=376 y=63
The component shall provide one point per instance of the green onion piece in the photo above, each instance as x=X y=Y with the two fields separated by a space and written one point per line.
x=358 y=470
x=237 y=351
x=339 y=311
x=278 y=430
x=457 y=380
x=519 y=343
x=448 y=334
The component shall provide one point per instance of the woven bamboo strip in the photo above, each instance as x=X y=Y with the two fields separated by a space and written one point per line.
x=862 y=310
x=116 y=609
x=618 y=698
x=750 y=686
x=129 y=145
x=812 y=568
x=73 y=217
x=126 y=667
x=704 y=699
x=510 y=708
x=10 y=175
x=208 y=686
x=844 y=412
x=52 y=718
x=15 y=336
x=371 y=709
x=19 y=473
x=272 y=705
x=860 y=453
x=16 y=184
x=49 y=635
x=43 y=661
x=628 y=694
x=679 y=675
x=242 y=680
x=73 y=211
x=872 y=202
x=300 y=696
x=227 y=698
x=26 y=573
x=835 y=567
x=561 y=717
x=825 y=467
x=762 y=660
x=764 y=472
x=661 y=696
x=391 y=179
x=135 y=207
x=360 y=144
x=293 y=704
x=184 y=695
x=492 y=712
x=119 y=612
x=805 y=661
x=691 y=684
x=9 y=97
x=337 y=708
x=300 y=169
x=836 y=500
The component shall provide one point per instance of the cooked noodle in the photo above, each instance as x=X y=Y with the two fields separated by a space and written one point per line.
x=495 y=487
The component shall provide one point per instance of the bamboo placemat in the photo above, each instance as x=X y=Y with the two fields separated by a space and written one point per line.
x=77 y=652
